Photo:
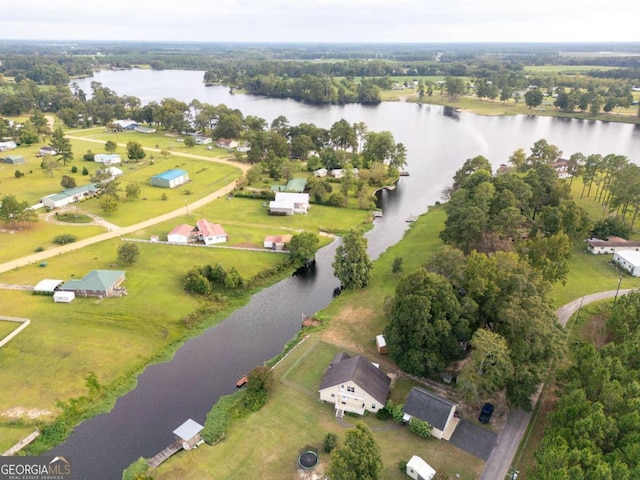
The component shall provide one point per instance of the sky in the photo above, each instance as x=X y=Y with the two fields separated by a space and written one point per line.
x=324 y=21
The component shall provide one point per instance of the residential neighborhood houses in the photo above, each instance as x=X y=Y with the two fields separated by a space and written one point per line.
x=97 y=283
x=611 y=244
x=433 y=409
x=354 y=384
x=70 y=195
x=287 y=203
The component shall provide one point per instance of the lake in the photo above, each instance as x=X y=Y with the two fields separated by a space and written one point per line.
x=438 y=141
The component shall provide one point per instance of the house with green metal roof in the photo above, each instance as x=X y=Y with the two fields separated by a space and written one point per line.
x=97 y=283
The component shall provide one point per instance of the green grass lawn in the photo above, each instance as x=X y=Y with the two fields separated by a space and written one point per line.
x=265 y=445
x=21 y=241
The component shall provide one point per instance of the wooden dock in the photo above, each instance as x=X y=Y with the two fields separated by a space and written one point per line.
x=175 y=447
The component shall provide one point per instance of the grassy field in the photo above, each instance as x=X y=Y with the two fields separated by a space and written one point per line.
x=6 y=327
x=265 y=445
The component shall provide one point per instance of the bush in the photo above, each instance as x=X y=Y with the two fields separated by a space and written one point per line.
x=74 y=169
x=137 y=470
x=64 y=239
x=396 y=411
x=85 y=172
x=219 y=418
x=39 y=249
x=330 y=442
x=18 y=174
x=420 y=427
x=383 y=414
x=164 y=196
x=402 y=465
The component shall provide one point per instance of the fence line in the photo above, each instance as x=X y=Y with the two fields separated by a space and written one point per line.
x=162 y=242
x=25 y=323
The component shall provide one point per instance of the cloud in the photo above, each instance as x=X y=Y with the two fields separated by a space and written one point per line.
x=322 y=20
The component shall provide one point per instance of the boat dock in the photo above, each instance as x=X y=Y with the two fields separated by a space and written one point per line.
x=175 y=447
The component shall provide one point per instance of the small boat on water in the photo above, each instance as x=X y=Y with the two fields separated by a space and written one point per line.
x=242 y=382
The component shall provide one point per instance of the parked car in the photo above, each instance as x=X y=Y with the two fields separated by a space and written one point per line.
x=485 y=413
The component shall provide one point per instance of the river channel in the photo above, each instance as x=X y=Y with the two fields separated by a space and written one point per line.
x=438 y=141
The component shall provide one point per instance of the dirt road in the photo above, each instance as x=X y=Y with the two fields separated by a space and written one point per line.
x=119 y=231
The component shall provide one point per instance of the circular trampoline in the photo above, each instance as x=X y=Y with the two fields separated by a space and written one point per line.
x=308 y=459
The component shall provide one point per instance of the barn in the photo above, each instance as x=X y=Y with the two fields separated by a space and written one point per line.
x=170 y=179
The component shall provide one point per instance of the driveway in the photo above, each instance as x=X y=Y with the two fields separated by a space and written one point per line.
x=474 y=439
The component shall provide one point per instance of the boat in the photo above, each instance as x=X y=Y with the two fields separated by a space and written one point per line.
x=242 y=382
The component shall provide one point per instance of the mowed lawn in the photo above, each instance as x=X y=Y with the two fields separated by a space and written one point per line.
x=265 y=445
x=112 y=337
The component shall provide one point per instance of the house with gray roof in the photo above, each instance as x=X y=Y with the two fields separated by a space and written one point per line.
x=354 y=384
x=438 y=412
x=97 y=283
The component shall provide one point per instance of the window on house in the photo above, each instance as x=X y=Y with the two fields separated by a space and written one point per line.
x=351 y=389
x=373 y=406
x=333 y=394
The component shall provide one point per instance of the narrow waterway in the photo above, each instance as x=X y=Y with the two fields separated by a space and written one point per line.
x=438 y=141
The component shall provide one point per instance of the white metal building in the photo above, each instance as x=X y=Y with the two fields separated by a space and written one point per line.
x=628 y=260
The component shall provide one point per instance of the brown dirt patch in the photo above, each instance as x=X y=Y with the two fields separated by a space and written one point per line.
x=595 y=331
x=343 y=324
x=246 y=245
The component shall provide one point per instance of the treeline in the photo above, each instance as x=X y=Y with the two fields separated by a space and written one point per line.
x=595 y=426
x=45 y=70
x=510 y=237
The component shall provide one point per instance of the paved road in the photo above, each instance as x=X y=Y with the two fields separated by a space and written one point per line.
x=119 y=231
x=509 y=439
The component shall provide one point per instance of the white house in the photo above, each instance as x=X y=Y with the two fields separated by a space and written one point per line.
x=203 y=140
x=321 y=172
x=64 y=297
x=7 y=145
x=628 y=260
x=107 y=159
x=354 y=384
x=561 y=166
x=226 y=143
x=418 y=469
x=336 y=173
x=433 y=409
x=287 y=203
x=611 y=245
x=70 y=195
x=113 y=172
x=210 y=233
x=180 y=234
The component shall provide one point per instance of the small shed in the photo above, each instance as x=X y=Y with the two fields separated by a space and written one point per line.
x=14 y=159
x=64 y=297
x=629 y=260
x=189 y=433
x=276 y=242
x=321 y=172
x=170 y=179
x=381 y=343
x=418 y=469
